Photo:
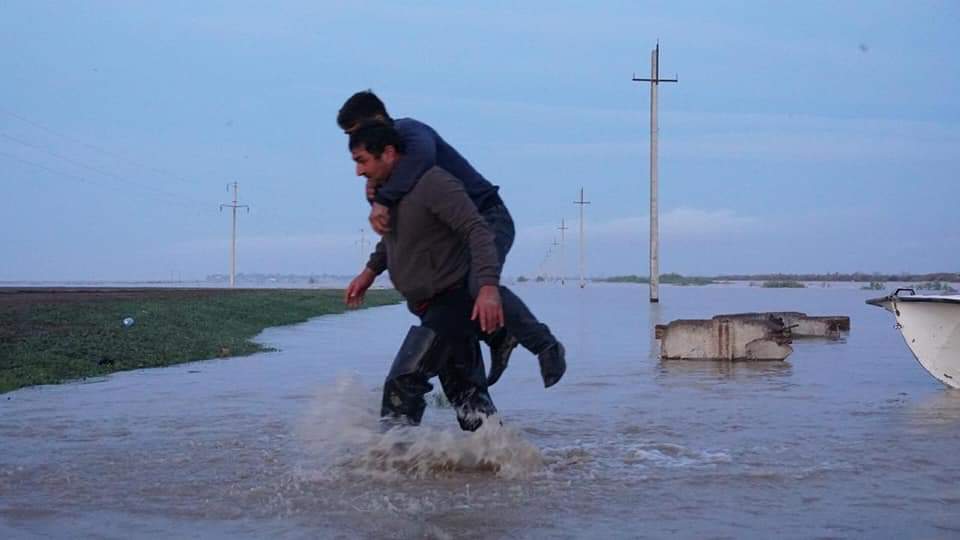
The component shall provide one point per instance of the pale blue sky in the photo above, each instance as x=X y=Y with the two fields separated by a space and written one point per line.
x=802 y=136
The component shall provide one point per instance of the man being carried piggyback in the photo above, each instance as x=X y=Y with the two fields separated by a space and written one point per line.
x=423 y=150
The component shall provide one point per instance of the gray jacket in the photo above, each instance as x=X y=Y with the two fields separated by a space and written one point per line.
x=436 y=237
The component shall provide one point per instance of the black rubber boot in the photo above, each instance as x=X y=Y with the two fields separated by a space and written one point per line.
x=407 y=381
x=502 y=345
x=465 y=385
x=553 y=364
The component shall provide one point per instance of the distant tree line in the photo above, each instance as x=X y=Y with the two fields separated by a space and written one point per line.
x=667 y=279
x=783 y=284
x=856 y=276
x=875 y=279
x=285 y=278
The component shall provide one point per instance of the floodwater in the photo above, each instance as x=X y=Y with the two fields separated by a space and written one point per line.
x=847 y=438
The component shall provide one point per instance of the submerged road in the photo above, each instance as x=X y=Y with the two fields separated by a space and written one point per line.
x=846 y=438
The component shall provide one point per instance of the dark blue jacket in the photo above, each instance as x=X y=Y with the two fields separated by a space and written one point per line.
x=425 y=149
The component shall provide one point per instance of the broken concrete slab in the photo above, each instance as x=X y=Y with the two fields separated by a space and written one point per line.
x=802 y=325
x=725 y=337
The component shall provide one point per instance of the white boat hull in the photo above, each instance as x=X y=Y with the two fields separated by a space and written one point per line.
x=930 y=325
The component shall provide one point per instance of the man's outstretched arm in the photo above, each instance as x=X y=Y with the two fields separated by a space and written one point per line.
x=357 y=289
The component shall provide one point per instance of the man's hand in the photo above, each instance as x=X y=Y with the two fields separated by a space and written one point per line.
x=487 y=309
x=355 y=292
x=380 y=218
x=371 y=190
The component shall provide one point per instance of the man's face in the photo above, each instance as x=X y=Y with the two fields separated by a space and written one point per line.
x=376 y=169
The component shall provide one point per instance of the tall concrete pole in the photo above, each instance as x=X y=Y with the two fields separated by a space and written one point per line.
x=233 y=242
x=581 y=202
x=233 y=239
x=654 y=81
x=563 y=259
x=654 y=188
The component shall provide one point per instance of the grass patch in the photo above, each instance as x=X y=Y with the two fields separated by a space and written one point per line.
x=783 y=284
x=665 y=279
x=51 y=342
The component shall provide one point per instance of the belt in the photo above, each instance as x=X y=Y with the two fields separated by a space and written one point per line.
x=421 y=307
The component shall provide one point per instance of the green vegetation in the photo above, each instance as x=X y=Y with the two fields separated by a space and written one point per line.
x=783 y=284
x=667 y=279
x=47 y=342
x=937 y=286
x=874 y=286
x=624 y=279
x=677 y=279
x=950 y=277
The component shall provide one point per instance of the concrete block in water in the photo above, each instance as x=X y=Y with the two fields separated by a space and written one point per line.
x=725 y=337
x=803 y=325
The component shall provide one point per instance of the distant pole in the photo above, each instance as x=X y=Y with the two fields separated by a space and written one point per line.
x=363 y=247
x=581 y=202
x=544 y=269
x=654 y=81
x=563 y=259
x=233 y=240
x=553 y=245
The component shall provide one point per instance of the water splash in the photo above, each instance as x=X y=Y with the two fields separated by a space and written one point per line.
x=341 y=438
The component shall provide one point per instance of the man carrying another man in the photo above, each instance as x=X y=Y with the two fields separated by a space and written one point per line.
x=424 y=149
x=436 y=237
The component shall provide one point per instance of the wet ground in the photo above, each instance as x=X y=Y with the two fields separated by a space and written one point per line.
x=846 y=438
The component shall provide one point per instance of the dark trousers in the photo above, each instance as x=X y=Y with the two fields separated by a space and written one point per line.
x=454 y=357
x=518 y=319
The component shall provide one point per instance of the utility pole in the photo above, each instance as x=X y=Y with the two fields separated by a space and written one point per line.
x=553 y=245
x=654 y=80
x=233 y=240
x=562 y=228
x=581 y=202
x=543 y=271
x=363 y=247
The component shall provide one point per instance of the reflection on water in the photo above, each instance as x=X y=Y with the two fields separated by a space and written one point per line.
x=726 y=371
x=940 y=409
x=654 y=318
x=847 y=438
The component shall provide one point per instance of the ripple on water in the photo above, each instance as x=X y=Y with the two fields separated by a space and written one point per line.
x=668 y=455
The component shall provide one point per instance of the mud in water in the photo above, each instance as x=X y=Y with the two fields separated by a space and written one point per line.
x=847 y=438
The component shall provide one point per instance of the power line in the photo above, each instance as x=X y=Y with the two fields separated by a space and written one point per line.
x=126 y=181
x=82 y=179
x=155 y=170
x=48 y=169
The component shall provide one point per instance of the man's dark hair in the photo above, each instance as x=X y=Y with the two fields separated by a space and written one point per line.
x=361 y=107
x=375 y=138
